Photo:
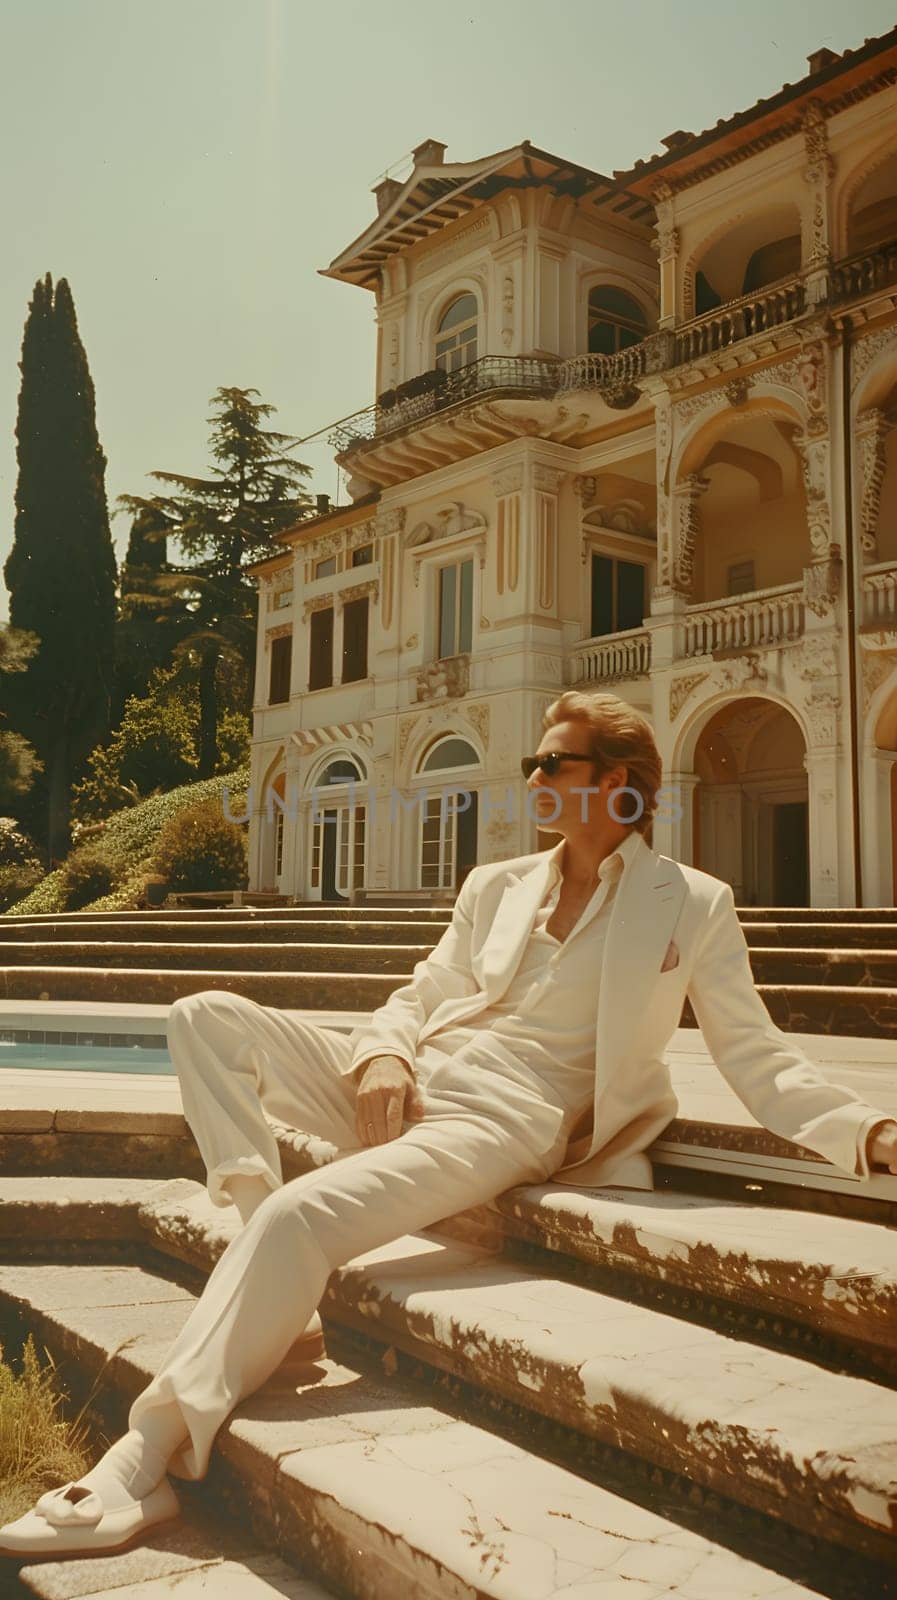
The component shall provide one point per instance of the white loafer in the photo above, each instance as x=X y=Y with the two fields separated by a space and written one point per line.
x=71 y=1520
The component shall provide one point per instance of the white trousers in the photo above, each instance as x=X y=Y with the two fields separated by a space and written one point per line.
x=483 y=1131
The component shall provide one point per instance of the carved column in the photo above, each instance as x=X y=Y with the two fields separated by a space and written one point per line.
x=507 y=485
x=818 y=175
x=388 y=526
x=686 y=527
x=666 y=247
x=546 y=483
x=871 y=432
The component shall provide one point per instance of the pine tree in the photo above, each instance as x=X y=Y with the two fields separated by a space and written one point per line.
x=61 y=570
x=221 y=523
x=151 y=619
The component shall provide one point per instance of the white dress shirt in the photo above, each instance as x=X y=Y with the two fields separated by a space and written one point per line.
x=540 y=1033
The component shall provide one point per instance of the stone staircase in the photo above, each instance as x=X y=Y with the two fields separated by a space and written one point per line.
x=587 y=1394
x=824 y=972
x=562 y=1393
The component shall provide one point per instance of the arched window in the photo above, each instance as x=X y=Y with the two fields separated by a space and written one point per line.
x=615 y=320
x=456 y=336
x=343 y=770
x=450 y=753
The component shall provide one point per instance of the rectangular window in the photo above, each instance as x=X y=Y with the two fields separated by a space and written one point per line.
x=355 y=640
x=320 y=667
x=325 y=569
x=278 y=845
x=455 y=608
x=618 y=595
x=282 y=597
x=363 y=556
x=281 y=663
x=740 y=578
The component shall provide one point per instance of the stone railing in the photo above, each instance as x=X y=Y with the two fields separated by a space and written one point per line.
x=527 y=376
x=766 y=617
x=770 y=307
x=861 y=274
x=614 y=376
x=880 y=596
x=617 y=655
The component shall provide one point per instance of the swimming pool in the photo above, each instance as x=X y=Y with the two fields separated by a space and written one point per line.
x=79 y=1052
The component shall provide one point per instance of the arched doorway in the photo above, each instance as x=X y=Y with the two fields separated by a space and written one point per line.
x=338 y=832
x=447 y=843
x=751 y=820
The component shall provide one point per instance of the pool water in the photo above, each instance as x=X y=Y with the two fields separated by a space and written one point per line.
x=84 y=1057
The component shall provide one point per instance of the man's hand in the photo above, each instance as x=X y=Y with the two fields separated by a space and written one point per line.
x=881 y=1146
x=386 y=1096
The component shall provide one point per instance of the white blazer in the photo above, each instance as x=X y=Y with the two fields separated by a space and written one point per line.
x=660 y=908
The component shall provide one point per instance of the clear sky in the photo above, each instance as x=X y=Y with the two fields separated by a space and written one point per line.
x=188 y=165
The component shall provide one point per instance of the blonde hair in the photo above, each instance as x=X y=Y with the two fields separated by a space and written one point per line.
x=618 y=736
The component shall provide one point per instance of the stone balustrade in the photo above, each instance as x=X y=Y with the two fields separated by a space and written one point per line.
x=880 y=596
x=766 y=617
x=770 y=307
x=619 y=655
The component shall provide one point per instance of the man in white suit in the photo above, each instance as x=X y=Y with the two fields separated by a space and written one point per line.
x=528 y=1045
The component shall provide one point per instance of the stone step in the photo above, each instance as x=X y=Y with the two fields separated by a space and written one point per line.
x=807 y=1008
x=788 y=967
x=286 y=915
x=301 y=959
x=766 y=1430
x=820 y=935
x=191 y=933
x=53 y=1119
x=832 y=1277
x=205 y=1555
x=378 y=1492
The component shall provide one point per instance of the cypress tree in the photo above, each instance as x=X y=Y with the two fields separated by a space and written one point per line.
x=61 y=570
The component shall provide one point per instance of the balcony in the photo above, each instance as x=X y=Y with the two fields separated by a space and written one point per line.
x=490 y=378
x=772 y=307
x=880 y=596
x=863 y=274
x=457 y=409
x=765 y=617
x=613 y=657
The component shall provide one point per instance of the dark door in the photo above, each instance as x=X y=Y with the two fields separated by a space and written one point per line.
x=328 y=858
x=467 y=841
x=791 y=863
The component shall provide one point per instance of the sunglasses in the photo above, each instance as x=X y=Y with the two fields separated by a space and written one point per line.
x=549 y=763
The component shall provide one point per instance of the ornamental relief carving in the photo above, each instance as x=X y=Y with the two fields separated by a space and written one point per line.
x=446 y=679
x=740 y=672
x=387 y=522
x=319 y=602
x=681 y=688
x=508 y=481
x=877 y=666
x=547 y=479
x=871 y=432
x=817 y=656
x=453 y=519
x=478 y=717
x=813 y=454
x=822 y=585
x=821 y=712
x=282 y=632
x=359 y=590
x=865 y=351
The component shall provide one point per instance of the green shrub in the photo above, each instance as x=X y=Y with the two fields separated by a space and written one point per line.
x=129 y=838
x=200 y=849
x=17 y=881
x=17 y=848
x=86 y=874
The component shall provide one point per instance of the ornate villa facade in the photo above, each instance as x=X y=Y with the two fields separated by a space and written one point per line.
x=636 y=433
